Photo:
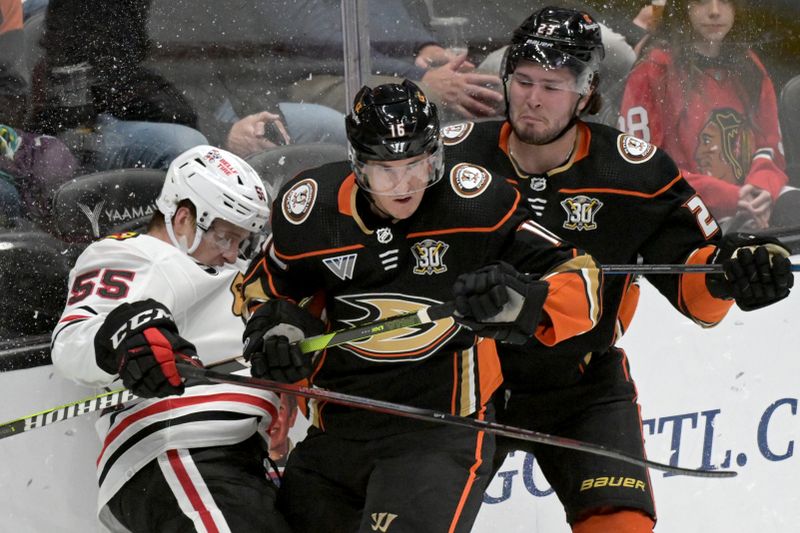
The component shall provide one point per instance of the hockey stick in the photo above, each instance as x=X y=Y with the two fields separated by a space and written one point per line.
x=670 y=269
x=428 y=415
x=311 y=344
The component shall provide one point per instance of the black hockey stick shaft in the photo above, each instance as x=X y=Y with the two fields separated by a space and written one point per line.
x=429 y=415
x=670 y=269
x=311 y=344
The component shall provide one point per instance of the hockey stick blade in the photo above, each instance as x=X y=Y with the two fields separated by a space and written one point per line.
x=417 y=413
x=312 y=344
x=670 y=269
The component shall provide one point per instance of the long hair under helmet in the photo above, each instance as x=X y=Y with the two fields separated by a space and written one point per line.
x=393 y=122
x=220 y=185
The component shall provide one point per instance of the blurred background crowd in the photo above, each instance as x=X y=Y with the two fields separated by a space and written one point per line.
x=97 y=98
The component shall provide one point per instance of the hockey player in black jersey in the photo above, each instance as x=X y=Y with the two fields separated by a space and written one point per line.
x=393 y=231
x=620 y=199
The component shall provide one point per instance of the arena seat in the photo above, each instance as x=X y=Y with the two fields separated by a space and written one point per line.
x=103 y=203
x=33 y=282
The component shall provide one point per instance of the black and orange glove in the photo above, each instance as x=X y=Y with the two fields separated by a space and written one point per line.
x=757 y=271
x=498 y=301
x=140 y=342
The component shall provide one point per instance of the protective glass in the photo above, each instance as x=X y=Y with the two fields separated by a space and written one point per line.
x=386 y=179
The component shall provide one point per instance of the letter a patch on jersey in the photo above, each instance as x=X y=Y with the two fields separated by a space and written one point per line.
x=342 y=266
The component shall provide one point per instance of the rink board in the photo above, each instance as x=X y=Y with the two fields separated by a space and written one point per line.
x=723 y=397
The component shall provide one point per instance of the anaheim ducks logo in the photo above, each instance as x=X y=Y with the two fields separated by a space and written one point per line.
x=469 y=181
x=299 y=200
x=404 y=344
x=634 y=150
x=455 y=133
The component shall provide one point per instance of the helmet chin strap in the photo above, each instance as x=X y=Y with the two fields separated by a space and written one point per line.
x=180 y=243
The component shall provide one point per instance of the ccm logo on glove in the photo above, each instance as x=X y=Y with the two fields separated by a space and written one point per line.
x=137 y=322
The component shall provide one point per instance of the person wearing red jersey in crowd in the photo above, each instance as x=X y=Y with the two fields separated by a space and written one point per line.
x=699 y=93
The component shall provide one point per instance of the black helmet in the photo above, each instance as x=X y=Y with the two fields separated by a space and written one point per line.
x=556 y=37
x=393 y=122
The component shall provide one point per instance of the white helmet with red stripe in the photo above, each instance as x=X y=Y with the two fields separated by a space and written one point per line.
x=220 y=185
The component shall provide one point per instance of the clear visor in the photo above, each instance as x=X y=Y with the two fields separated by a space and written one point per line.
x=546 y=56
x=399 y=178
x=240 y=241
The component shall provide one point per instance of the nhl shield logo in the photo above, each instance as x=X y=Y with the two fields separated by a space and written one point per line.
x=384 y=235
x=581 y=211
x=538 y=183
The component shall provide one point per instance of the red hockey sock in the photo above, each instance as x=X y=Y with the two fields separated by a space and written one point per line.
x=622 y=521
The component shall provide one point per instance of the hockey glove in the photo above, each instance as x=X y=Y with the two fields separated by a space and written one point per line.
x=757 y=271
x=269 y=341
x=140 y=342
x=498 y=301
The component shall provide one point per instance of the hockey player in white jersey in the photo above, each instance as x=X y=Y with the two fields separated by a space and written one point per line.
x=184 y=457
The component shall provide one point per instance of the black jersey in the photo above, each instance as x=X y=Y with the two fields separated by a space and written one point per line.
x=620 y=199
x=328 y=244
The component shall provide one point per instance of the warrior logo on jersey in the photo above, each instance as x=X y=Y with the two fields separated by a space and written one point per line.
x=404 y=344
x=455 y=133
x=469 y=181
x=342 y=266
x=299 y=200
x=581 y=211
x=429 y=255
x=384 y=235
x=634 y=150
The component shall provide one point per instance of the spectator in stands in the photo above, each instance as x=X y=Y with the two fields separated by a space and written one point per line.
x=32 y=167
x=92 y=78
x=700 y=93
x=401 y=47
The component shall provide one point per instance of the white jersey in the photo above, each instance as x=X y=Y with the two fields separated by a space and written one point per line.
x=207 y=312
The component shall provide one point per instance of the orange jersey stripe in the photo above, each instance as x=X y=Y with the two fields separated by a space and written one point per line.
x=624 y=191
x=473 y=230
x=468 y=486
x=318 y=252
x=488 y=369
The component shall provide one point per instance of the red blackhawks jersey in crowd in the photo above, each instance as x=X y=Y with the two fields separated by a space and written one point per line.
x=206 y=305
x=619 y=199
x=327 y=243
x=718 y=139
